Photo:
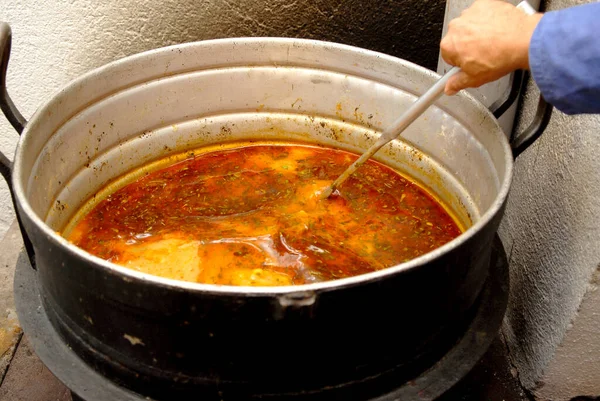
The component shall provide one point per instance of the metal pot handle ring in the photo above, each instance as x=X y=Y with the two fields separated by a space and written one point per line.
x=6 y=104
x=520 y=142
x=523 y=140
x=18 y=122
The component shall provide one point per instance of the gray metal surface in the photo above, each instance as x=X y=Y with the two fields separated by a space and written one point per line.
x=57 y=41
x=175 y=99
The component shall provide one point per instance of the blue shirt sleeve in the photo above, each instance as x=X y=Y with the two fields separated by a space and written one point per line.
x=564 y=58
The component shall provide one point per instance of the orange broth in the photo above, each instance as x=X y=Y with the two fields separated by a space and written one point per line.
x=250 y=216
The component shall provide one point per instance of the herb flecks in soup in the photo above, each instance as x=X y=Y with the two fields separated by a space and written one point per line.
x=250 y=216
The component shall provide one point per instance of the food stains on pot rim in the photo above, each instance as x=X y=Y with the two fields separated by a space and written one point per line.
x=128 y=275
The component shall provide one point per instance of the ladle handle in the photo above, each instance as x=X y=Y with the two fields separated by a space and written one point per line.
x=526 y=8
x=429 y=97
x=419 y=106
x=395 y=129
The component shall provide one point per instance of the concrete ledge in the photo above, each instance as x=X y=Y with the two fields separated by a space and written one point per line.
x=10 y=331
x=574 y=371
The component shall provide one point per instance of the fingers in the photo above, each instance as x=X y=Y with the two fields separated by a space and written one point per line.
x=459 y=82
x=451 y=56
x=489 y=40
x=448 y=51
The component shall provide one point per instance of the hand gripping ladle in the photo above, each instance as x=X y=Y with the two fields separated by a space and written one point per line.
x=398 y=126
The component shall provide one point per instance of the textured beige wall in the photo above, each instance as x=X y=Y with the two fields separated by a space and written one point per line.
x=552 y=233
x=56 y=41
x=575 y=367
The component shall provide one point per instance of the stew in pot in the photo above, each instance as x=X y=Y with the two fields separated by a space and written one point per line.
x=250 y=215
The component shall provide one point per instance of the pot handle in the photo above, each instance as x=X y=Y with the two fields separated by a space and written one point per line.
x=8 y=107
x=500 y=106
x=18 y=122
x=295 y=306
x=521 y=141
x=6 y=104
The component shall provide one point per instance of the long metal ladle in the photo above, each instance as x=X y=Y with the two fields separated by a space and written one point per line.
x=398 y=126
x=393 y=131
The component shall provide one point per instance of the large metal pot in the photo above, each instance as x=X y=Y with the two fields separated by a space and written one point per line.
x=168 y=338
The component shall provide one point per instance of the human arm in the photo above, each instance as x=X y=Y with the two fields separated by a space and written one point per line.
x=564 y=58
x=561 y=48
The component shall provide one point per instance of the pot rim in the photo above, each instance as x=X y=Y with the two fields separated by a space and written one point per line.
x=133 y=275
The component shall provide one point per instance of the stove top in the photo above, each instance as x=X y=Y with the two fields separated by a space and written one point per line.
x=87 y=384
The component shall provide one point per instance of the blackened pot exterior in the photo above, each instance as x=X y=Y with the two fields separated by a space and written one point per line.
x=166 y=338
x=162 y=342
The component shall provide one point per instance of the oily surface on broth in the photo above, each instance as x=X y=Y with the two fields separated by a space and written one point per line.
x=249 y=216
